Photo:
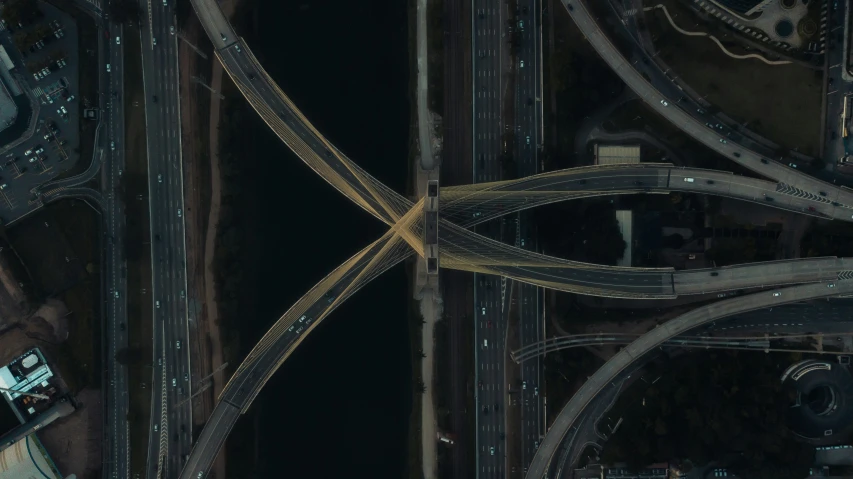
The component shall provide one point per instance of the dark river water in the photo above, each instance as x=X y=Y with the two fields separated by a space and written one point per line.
x=339 y=406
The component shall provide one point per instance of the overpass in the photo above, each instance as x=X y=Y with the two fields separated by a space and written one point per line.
x=559 y=343
x=469 y=205
x=460 y=248
x=573 y=410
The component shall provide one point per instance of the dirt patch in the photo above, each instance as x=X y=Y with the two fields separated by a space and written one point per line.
x=74 y=442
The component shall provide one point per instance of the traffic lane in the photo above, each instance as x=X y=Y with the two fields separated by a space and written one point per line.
x=468 y=208
x=487 y=71
x=159 y=125
x=488 y=76
x=686 y=122
x=491 y=364
x=690 y=320
x=590 y=281
x=775 y=273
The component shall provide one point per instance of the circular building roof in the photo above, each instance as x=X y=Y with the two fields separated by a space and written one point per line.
x=784 y=28
x=824 y=399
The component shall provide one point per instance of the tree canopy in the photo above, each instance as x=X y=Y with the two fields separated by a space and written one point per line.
x=712 y=406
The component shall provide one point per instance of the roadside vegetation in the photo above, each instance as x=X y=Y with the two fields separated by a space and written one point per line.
x=733 y=411
x=578 y=83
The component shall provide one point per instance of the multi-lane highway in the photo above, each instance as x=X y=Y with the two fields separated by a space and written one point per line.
x=469 y=205
x=838 y=83
x=492 y=71
x=172 y=381
x=117 y=462
x=507 y=114
x=654 y=338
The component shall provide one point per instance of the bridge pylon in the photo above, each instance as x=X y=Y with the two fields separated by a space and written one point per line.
x=431 y=228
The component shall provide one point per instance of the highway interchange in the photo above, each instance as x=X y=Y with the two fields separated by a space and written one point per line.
x=838 y=84
x=246 y=72
x=172 y=378
x=294 y=130
x=506 y=84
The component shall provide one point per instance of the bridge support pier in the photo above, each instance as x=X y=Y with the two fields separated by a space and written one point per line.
x=431 y=228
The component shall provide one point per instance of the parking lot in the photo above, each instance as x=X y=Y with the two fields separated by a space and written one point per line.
x=42 y=141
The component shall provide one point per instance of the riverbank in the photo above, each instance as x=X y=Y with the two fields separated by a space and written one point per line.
x=200 y=125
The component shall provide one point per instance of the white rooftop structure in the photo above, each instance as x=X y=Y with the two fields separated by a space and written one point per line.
x=615 y=154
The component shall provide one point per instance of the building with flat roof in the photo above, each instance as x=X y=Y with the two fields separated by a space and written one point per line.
x=616 y=154
x=29 y=373
x=4 y=57
x=28 y=459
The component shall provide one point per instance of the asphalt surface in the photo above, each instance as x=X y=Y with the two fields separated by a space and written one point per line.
x=117 y=461
x=505 y=86
x=290 y=125
x=172 y=373
x=464 y=250
x=277 y=345
x=623 y=359
x=690 y=120
x=491 y=65
x=21 y=177
x=465 y=207
x=838 y=85
x=645 y=60
x=529 y=130
x=533 y=351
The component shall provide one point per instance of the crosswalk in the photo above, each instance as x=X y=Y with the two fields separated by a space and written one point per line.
x=793 y=191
